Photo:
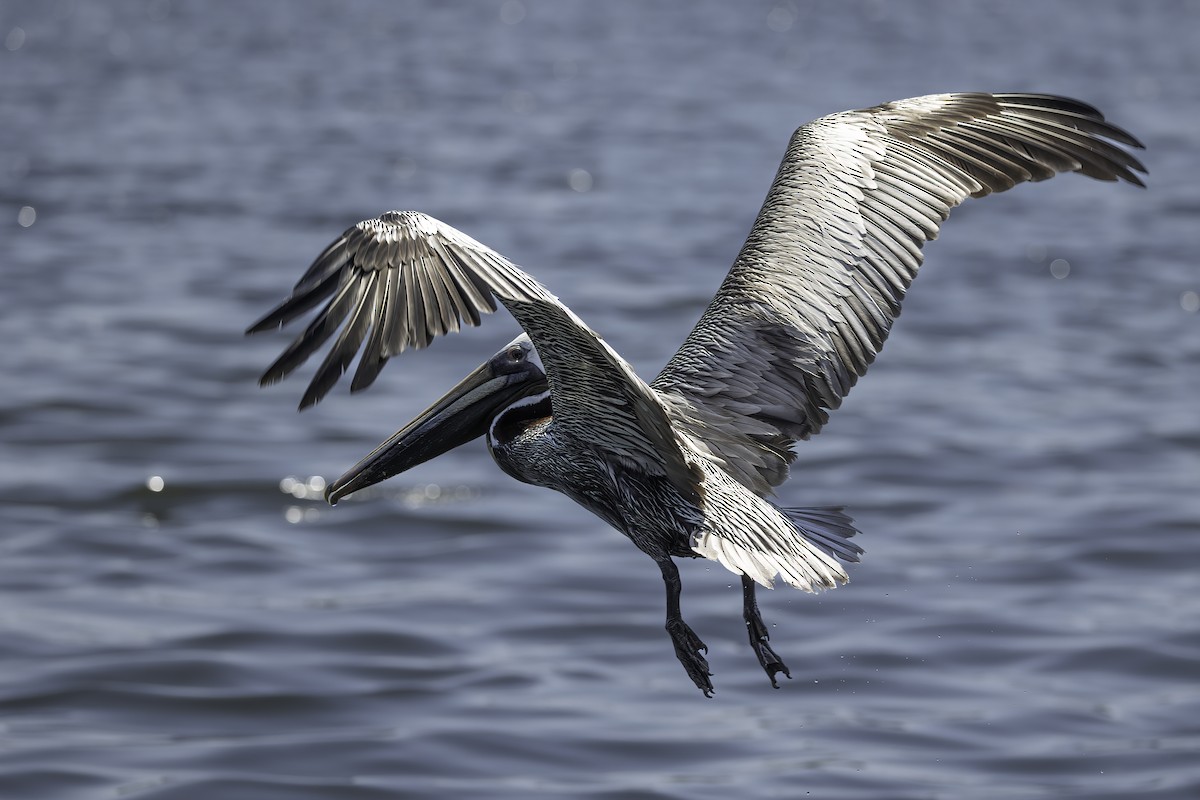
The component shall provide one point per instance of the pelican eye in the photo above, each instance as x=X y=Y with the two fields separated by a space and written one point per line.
x=516 y=353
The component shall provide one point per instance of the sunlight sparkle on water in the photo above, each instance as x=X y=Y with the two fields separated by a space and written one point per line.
x=580 y=180
x=303 y=489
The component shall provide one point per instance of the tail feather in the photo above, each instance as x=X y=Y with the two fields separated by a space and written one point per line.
x=753 y=537
x=828 y=528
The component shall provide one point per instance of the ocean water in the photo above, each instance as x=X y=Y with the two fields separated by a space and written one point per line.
x=181 y=617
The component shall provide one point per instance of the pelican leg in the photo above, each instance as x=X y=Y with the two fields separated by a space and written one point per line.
x=757 y=631
x=687 y=643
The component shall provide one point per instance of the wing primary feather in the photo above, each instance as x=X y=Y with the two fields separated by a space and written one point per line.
x=347 y=344
x=300 y=302
x=331 y=261
x=315 y=335
x=983 y=160
x=396 y=330
x=1052 y=102
x=421 y=312
x=1080 y=116
x=952 y=180
x=449 y=304
x=373 y=356
x=1104 y=159
x=1040 y=162
x=474 y=299
x=1058 y=151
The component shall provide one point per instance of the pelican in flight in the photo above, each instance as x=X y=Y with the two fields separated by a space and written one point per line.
x=684 y=465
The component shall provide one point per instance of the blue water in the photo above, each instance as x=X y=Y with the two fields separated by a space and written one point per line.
x=1023 y=459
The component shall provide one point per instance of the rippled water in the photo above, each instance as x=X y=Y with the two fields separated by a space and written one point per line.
x=1024 y=459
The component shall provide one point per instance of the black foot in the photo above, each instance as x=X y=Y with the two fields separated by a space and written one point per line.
x=771 y=663
x=768 y=658
x=687 y=649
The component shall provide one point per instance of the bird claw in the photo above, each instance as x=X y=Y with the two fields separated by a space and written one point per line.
x=770 y=661
x=688 y=649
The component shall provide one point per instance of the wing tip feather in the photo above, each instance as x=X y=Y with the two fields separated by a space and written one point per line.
x=443 y=280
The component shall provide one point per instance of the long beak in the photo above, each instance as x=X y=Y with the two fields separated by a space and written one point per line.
x=463 y=414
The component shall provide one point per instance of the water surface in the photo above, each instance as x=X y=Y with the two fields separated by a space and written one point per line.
x=1023 y=459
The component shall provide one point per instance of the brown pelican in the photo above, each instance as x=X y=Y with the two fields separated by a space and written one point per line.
x=683 y=465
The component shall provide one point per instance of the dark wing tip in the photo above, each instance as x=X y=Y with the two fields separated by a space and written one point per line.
x=1077 y=108
x=267 y=323
x=310 y=399
x=1029 y=137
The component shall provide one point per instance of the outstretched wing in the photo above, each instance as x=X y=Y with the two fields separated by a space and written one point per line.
x=405 y=278
x=813 y=292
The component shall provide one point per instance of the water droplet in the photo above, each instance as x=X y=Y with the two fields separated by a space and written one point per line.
x=26 y=216
x=155 y=483
x=1060 y=268
x=1190 y=301
x=580 y=180
x=294 y=514
x=14 y=39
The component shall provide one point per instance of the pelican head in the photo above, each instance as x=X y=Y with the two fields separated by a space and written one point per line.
x=462 y=414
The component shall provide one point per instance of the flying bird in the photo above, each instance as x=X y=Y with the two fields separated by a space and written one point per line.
x=685 y=464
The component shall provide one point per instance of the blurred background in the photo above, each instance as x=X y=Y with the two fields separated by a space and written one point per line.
x=181 y=617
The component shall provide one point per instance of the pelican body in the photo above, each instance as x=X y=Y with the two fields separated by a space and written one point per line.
x=685 y=465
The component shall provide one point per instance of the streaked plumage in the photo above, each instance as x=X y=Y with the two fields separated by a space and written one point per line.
x=683 y=465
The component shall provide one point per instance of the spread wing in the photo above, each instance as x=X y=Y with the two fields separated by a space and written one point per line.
x=405 y=278
x=813 y=292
